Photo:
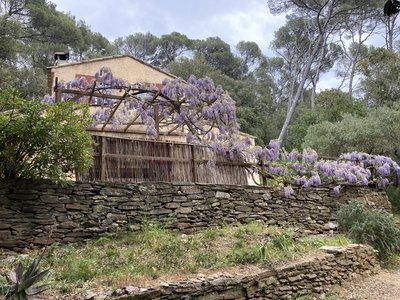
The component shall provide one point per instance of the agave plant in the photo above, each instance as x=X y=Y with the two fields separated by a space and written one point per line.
x=23 y=285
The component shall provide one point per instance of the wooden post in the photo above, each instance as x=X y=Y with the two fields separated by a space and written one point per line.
x=91 y=92
x=157 y=120
x=58 y=96
x=57 y=91
x=263 y=176
x=103 y=159
x=194 y=169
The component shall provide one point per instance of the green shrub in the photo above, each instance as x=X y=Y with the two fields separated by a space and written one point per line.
x=372 y=227
x=43 y=141
x=393 y=194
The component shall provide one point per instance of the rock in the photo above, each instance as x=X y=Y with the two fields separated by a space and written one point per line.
x=172 y=205
x=190 y=190
x=333 y=225
x=184 y=210
x=90 y=295
x=219 y=194
x=10 y=259
x=130 y=290
x=332 y=249
x=267 y=196
x=183 y=225
x=160 y=211
x=4 y=226
x=134 y=227
x=118 y=292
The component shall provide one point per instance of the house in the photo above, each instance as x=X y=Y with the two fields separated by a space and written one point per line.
x=129 y=155
x=126 y=67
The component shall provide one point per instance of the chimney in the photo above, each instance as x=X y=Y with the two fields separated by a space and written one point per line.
x=61 y=57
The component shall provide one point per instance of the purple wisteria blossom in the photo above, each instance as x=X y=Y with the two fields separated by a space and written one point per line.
x=190 y=138
x=310 y=156
x=293 y=156
x=384 y=170
x=288 y=191
x=336 y=190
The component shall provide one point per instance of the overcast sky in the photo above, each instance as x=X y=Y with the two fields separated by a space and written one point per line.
x=231 y=20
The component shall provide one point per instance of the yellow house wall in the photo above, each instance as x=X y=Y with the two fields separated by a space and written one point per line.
x=124 y=67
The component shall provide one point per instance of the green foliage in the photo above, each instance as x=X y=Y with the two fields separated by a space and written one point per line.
x=42 y=141
x=169 y=47
x=332 y=104
x=90 y=44
x=298 y=129
x=31 y=82
x=381 y=70
x=369 y=134
x=140 y=45
x=30 y=31
x=250 y=54
x=282 y=241
x=393 y=194
x=9 y=28
x=217 y=54
x=372 y=227
x=184 y=67
x=24 y=282
x=79 y=270
x=327 y=138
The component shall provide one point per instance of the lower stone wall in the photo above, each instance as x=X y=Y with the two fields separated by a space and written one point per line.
x=310 y=277
x=29 y=211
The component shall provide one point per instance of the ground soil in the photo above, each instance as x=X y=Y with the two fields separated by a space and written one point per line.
x=383 y=286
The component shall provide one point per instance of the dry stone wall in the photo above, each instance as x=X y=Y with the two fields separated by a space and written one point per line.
x=308 y=277
x=29 y=211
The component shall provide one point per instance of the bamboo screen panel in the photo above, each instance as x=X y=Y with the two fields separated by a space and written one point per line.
x=127 y=160
x=225 y=171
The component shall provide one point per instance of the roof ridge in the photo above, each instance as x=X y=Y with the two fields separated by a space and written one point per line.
x=113 y=57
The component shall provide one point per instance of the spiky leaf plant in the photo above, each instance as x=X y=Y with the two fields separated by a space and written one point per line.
x=24 y=284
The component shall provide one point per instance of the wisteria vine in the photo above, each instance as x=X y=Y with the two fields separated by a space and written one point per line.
x=197 y=109
x=206 y=114
x=307 y=170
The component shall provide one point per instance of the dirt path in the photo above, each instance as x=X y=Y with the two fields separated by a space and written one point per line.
x=383 y=286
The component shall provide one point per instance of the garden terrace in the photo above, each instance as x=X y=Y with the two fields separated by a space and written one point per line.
x=228 y=262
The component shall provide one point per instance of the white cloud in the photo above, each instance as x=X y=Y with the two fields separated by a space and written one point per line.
x=256 y=26
x=232 y=21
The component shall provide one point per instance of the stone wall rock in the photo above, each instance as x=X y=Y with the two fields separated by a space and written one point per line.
x=29 y=211
x=313 y=276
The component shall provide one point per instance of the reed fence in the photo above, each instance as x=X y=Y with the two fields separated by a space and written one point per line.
x=129 y=160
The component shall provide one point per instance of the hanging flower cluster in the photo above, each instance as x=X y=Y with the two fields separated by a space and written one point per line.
x=307 y=170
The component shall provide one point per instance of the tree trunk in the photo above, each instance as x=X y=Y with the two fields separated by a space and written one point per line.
x=352 y=74
x=390 y=28
x=299 y=92
x=318 y=71
x=306 y=71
